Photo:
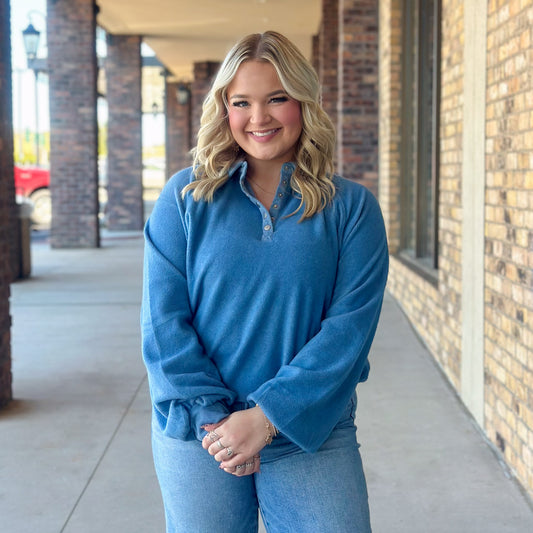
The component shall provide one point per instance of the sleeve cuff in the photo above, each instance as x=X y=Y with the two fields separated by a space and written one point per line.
x=206 y=414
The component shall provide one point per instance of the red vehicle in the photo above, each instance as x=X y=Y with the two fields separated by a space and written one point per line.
x=34 y=183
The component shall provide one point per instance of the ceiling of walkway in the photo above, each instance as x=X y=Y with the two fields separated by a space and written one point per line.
x=182 y=32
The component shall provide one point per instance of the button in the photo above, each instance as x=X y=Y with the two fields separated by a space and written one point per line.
x=275 y=206
x=268 y=227
x=280 y=195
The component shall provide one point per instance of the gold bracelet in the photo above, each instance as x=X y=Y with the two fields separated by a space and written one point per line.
x=271 y=430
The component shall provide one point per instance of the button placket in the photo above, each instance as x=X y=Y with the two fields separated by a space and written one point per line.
x=269 y=216
x=274 y=209
x=267 y=223
x=281 y=194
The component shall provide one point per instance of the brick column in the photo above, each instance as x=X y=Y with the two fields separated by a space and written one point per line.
x=124 y=139
x=73 y=125
x=328 y=60
x=6 y=139
x=315 y=53
x=178 y=129
x=358 y=91
x=7 y=201
x=204 y=73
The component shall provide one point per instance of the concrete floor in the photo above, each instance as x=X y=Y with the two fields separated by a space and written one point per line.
x=75 y=446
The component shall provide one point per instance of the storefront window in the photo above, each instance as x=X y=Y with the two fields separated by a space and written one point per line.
x=420 y=127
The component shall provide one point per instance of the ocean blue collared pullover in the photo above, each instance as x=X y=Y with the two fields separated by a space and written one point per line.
x=247 y=304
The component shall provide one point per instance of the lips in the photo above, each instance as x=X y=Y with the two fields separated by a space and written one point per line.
x=260 y=134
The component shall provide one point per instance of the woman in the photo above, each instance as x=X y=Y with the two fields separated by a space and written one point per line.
x=263 y=283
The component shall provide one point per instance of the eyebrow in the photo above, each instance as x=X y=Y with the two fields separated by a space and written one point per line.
x=274 y=93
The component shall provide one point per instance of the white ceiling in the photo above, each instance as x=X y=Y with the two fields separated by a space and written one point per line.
x=182 y=32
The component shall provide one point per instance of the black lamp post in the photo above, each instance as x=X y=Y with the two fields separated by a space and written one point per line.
x=31 y=44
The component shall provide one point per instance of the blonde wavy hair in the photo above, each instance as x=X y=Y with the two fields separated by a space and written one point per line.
x=216 y=150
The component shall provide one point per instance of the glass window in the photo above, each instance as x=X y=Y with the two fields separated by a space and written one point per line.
x=420 y=127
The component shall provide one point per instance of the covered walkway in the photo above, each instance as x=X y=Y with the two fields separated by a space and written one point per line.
x=75 y=451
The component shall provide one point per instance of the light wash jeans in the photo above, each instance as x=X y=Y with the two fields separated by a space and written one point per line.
x=296 y=492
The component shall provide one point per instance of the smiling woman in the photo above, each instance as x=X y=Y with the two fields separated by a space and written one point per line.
x=217 y=149
x=265 y=122
x=257 y=323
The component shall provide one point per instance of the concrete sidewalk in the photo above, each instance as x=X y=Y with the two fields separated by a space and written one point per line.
x=75 y=446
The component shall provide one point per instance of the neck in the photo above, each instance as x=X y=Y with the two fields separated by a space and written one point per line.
x=269 y=188
x=266 y=173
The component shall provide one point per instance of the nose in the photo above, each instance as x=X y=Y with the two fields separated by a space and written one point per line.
x=259 y=115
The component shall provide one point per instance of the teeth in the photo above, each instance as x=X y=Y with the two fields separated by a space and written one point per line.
x=262 y=133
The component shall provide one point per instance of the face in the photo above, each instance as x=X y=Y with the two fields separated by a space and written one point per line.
x=264 y=120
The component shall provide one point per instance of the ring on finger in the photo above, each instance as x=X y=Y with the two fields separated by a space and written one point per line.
x=220 y=445
x=240 y=467
x=229 y=451
x=214 y=436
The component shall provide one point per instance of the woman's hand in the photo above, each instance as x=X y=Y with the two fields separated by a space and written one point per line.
x=249 y=467
x=236 y=441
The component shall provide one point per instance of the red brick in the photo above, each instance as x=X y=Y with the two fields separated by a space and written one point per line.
x=7 y=203
x=178 y=129
x=124 y=140
x=71 y=27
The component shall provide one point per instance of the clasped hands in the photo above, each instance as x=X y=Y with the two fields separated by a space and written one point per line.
x=235 y=441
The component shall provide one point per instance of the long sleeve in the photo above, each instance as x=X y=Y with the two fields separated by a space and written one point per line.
x=185 y=385
x=245 y=305
x=307 y=396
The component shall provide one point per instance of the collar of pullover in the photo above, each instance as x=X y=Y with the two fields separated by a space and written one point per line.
x=240 y=169
x=269 y=216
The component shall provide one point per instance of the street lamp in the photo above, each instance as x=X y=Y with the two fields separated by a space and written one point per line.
x=31 y=41
x=182 y=94
x=31 y=38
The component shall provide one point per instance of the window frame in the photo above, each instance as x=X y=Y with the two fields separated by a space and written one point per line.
x=418 y=245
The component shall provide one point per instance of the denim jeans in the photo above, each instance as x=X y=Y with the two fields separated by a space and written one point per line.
x=323 y=492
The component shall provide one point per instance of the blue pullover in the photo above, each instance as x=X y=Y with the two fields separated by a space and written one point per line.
x=248 y=305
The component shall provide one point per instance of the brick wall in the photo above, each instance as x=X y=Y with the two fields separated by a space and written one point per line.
x=328 y=62
x=358 y=91
x=71 y=26
x=6 y=138
x=509 y=235
x=124 y=144
x=418 y=297
x=450 y=178
x=390 y=33
x=435 y=309
x=6 y=201
x=178 y=130
x=315 y=52
x=204 y=72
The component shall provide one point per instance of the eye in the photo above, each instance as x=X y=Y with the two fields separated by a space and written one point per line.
x=279 y=99
x=239 y=103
